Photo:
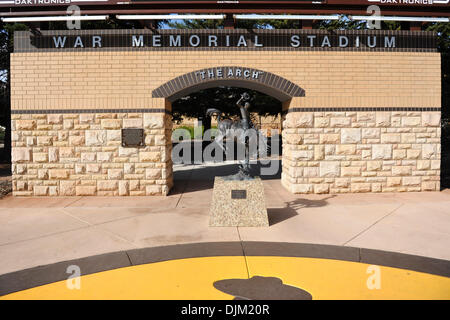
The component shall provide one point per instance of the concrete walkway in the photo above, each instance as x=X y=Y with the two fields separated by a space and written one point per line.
x=40 y=231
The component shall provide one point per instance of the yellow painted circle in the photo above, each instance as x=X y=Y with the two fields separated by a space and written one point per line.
x=193 y=279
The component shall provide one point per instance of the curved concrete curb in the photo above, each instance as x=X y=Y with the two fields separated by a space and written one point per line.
x=37 y=276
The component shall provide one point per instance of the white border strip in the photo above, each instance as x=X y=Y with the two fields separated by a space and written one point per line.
x=285 y=17
x=170 y=16
x=55 y=18
x=410 y=19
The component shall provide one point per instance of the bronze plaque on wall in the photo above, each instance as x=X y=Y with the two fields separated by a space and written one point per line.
x=132 y=137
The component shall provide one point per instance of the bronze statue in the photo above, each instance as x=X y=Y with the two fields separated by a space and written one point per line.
x=238 y=129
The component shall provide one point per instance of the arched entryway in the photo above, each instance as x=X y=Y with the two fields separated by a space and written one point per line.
x=264 y=82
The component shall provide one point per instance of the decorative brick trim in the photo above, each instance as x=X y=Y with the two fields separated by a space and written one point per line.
x=58 y=111
x=363 y=109
x=266 y=82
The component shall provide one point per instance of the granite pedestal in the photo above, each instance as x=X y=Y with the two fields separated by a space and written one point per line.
x=238 y=204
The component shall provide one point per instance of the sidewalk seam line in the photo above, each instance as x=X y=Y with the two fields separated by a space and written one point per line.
x=243 y=253
x=373 y=224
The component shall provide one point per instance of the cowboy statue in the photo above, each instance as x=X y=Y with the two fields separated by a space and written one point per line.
x=243 y=130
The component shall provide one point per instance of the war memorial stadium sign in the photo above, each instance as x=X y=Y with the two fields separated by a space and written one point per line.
x=355 y=40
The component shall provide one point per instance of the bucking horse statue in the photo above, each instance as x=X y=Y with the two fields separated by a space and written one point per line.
x=244 y=132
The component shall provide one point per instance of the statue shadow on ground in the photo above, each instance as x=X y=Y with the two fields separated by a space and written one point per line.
x=277 y=215
x=261 y=288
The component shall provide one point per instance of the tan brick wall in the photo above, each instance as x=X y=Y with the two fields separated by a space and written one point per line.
x=80 y=153
x=126 y=79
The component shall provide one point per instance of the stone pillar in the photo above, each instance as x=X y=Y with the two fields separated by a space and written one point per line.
x=81 y=154
x=360 y=150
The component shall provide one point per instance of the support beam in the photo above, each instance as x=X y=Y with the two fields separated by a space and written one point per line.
x=307 y=24
x=229 y=22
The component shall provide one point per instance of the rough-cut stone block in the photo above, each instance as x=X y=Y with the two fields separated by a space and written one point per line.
x=107 y=185
x=25 y=124
x=413 y=154
x=408 y=138
x=321 y=122
x=390 y=138
x=340 y=122
x=329 y=139
x=302 y=188
x=31 y=141
x=111 y=123
x=87 y=118
x=345 y=149
x=429 y=186
x=321 y=188
x=399 y=154
x=58 y=174
x=431 y=119
x=104 y=156
x=381 y=151
x=351 y=171
x=53 y=154
x=123 y=188
x=151 y=174
x=370 y=133
x=128 y=168
x=40 y=157
x=95 y=137
x=88 y=156
x=44 y=141
x=133 y=123
x=383 y=119
x=360 y=187
x=294 y=139
x=68 y=124
x=40 y=190
x=93 y=167
x=66 y=152
x=423 y=164
x=114 y=135
x=43 y=174
x=54 y=119
x=152 y=190
x=67 y=188
x=115 y=174
x=152 y=121
x=411 y=181
x=21 y=155
x=319 y=152
x=428 y=151
x=350 y=136
x=411 y=121
x=149 y=156
x=128 y=152
x=394 y=181
x=302 y=155
x=86 y=190
x=76 y=140
x=248 y=211
x=329 y=169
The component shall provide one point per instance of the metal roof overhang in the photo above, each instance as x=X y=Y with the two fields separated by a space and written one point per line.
x=23 y=8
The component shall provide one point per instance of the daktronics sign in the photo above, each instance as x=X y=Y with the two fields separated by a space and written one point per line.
x=408 y=2
x=222 y=3
x=25 y=3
